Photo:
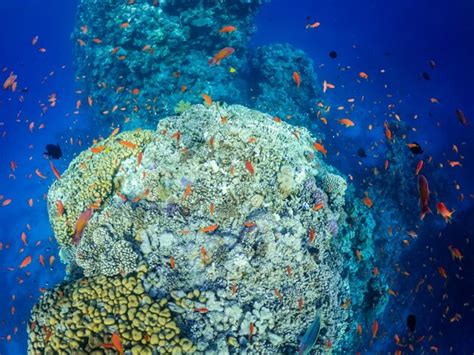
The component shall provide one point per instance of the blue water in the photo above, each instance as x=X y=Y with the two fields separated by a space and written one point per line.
x=397 y=37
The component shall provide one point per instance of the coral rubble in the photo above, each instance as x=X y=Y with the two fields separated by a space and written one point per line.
x=233 y=214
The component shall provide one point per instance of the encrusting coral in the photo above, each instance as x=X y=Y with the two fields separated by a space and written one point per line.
x=80 y=318
x=233 y=212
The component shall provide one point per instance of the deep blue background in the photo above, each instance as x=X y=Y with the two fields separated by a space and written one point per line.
x=400 y=37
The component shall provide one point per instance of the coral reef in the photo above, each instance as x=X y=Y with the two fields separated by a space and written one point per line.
x=80 y=317
x=234 y=215
x=143 y=60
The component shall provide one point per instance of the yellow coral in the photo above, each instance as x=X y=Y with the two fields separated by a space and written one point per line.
x=89 y=180
x=82 y=315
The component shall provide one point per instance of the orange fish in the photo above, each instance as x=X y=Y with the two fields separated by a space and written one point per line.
x=23 y=238
x=418 y=167
x=172 y=262
x=60 y=207
x=81 y=225
x=363 y=75
x=327 y=86
x=222 y=54
x=442 y=272
x=300 y=304
x=25 y=262
x=40 y=174
x=297 y=79
x=124 y=25
x=375 y=329
x=367 y=201
x=30 y=202
x=128 y=144
x=207 y=99
x=55 y=171
x=249 y=167
x=424 y=192
x=97 y=149
x=346 y=122
x=209 y=229
x=227 y=29
x=311 y=235
x=204 y=257
x=359 y=329
x=358 y=255
x=41 y=260
x=318 y=206
x=211 y=209
x=312 y=25
x=97 y=40
x=117 y=343
x=388 y=132
x=454 y=163
x=455 y=253
x=135 y=91
x=187 y=191
x=201 y=310
x=7 y=202
x=251 y=330
x=139 y=158
x=444 y=212
x=320 y=148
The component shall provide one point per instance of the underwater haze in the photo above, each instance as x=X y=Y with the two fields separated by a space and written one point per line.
x=241 y=176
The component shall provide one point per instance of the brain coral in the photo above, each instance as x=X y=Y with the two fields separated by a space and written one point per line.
x=80 y=318
x=223 y=207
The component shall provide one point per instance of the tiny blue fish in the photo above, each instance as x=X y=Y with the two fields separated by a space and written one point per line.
x=310 y=337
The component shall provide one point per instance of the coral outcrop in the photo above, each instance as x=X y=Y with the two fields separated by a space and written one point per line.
x=234 y=215
x=80 y=318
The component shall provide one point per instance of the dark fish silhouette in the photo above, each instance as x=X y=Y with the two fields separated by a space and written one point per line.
x=461 y=117
x=415 y=148
x=425 y=76
x=432 y=64
x=53 y=151
x=333 y=54
x=361 y=153
x=411 y=323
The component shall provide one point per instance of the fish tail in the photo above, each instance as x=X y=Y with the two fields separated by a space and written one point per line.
x=425 y=210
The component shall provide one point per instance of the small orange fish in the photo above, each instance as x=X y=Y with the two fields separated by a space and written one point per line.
x=127 y=144
x=51 y=260
x=115 y=132
x=60 y=207
x=227 y=29
x=7 y=202
x=359 y=329
x=311 y=235
x=375 y=328
x=172 y=262
x=221 y=55
x=346 y=122
x=297 y=79
x=204 y=257
x=367 y=201
x=41 y=260
x=187 y=191
x=30 y=202
x=249 y=167
x=454 y=164
x=135 y=91
x=300 y=304
x=327 y=86
x=320 y=148
x=209 y=229
x=117 y=343
x=184 y=88
x=207 y=99
x=211 y=209
x=358 y=255
x=363 y=75
x=201 y=310
x=124 y=25
x=251 y=330
x=442 y=272
x=81 y=224
x=55 y=171
x=25 y=262
x=318 y=206
x=289 y=270
x=23 y=238
x=312 y=25
x=97 y=40
x=97 y=149
x=444 y=212
x=40 y=174
x=455 y=253
x=388 y=132
x=277 y=293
